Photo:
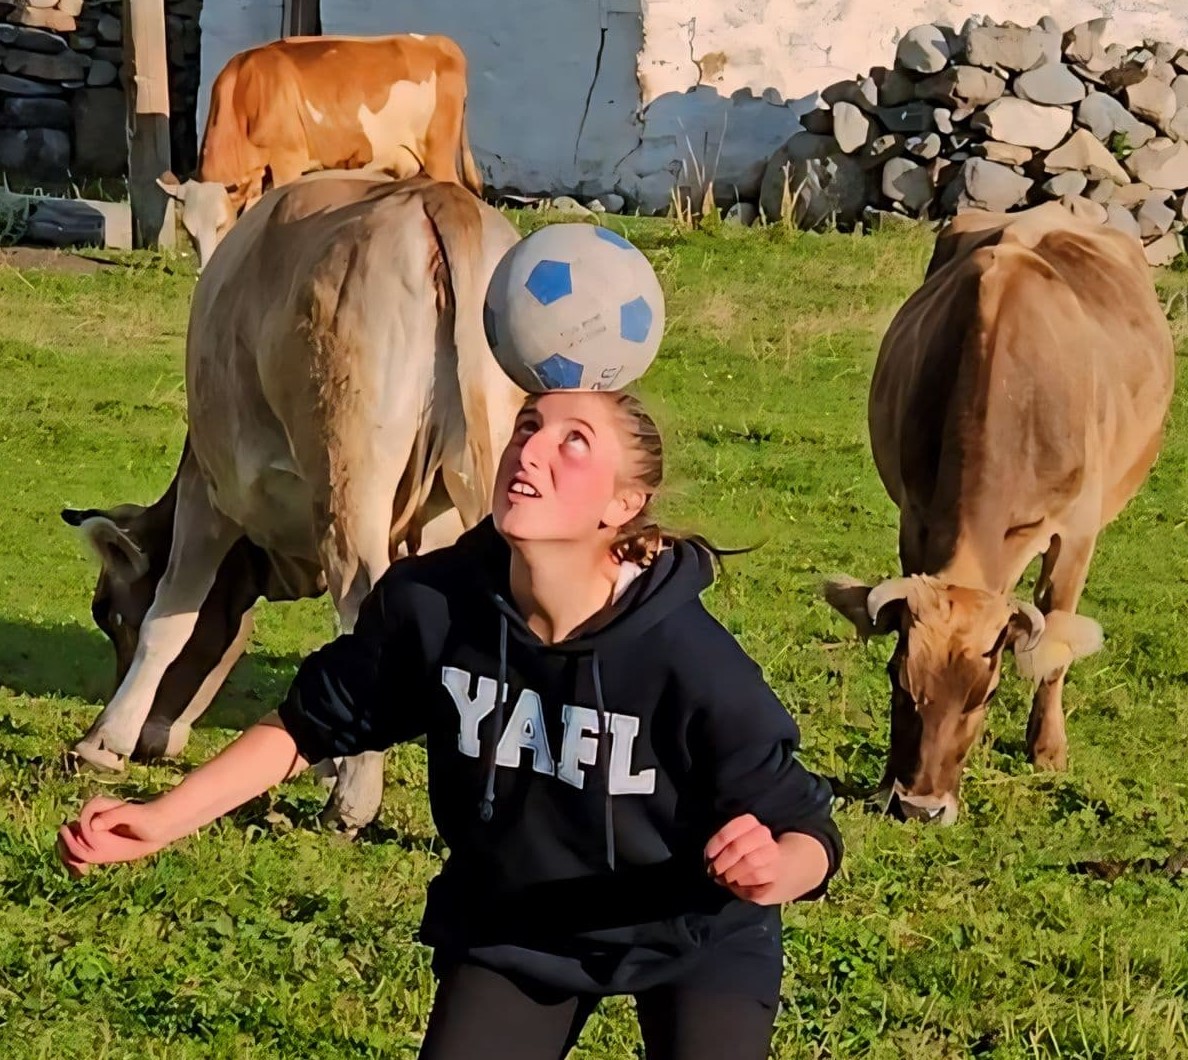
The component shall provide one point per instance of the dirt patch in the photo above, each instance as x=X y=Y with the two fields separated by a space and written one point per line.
x=48 y=258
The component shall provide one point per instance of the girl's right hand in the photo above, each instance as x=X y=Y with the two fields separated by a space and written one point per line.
x=108 y=831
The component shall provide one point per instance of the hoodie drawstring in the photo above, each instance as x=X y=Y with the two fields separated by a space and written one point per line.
x=487 y=806
x=604 y=763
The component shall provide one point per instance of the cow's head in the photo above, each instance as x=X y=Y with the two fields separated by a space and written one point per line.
x=945 y=671
x=132 y=544
x=208 y=212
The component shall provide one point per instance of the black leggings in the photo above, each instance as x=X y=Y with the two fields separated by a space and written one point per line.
x=478 y=1013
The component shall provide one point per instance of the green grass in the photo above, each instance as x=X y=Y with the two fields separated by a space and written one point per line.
x=265 y=937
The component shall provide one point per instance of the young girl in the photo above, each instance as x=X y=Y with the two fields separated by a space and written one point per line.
x=615 y=782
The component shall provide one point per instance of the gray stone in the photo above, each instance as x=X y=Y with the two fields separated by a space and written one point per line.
x=1063 y=184
x=1155 y=217
x=914 y=117
x=1164 y=250
x=112 y=53
x=100 y=145
x=1182 y=208
x=863 y=94
x=1177 y=128
x=1133 y=195
x=907 y=183
x=962 y=86
x=1084 y=153
x=985 y=185
x=1180 y=62
x=102 y=73
x=1085 y=209
x=611 y=203
x=778 y=171
x=742 y=213
x=42 y=154
x=1104 y=117
x=568 y=205
x=881 y=149
x=65 y=66
x=35 y=40
x=818 y=121
x=1052 y=84
x=1053 y=39
x=851 y=128
x=1101 y=191
x=896 y=88
x=944 y=119
x=1152 y=100
x=82 y=42
x=1004 y=154
x=1180 y=90
x=1164 y=72
x=925 y=147
x=923 y=50
x=1015 y=121
x=30 y=112
x=1162 y=163
x=21 y=86
x=109 y=28
x=1009 y=47
x=1122 y=219
x=823 y=190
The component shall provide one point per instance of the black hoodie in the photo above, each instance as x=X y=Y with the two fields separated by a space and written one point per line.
x=576 y=836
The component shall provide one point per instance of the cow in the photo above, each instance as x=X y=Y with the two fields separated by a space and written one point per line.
x=395 y=103
x=1017 y=405
x=344 y=409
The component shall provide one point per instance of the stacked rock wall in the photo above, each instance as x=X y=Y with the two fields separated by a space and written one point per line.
x=1000 y=117
x=62 y=109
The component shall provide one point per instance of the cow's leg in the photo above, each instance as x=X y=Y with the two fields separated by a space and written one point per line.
x=1059 y=588
x=166 y=737
x=202 y=536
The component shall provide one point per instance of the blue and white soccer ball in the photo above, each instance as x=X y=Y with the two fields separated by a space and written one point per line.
x=574 y=307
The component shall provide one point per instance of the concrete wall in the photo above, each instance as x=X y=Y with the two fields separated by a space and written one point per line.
x=586 y=96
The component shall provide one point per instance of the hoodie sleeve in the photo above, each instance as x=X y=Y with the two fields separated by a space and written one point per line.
x=363 y=690
x=743 y=742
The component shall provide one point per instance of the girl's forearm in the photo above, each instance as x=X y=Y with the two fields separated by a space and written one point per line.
x=805 y=865
x=258 y=760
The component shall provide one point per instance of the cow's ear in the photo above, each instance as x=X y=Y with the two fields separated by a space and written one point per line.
x=120 y=555
x=1066 y=638
x=167 y=182
x=851 y=599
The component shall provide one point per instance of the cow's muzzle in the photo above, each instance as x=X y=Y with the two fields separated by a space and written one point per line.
x=928 y=809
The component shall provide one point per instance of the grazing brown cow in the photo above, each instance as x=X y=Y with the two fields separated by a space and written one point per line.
x=1017 y=405
x=343 y=408
x=394 y=103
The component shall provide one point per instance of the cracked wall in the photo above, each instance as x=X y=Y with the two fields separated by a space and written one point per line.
x=588 y=96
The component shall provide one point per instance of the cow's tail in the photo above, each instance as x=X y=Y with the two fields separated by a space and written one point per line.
x=470 y=174
x=489 y=398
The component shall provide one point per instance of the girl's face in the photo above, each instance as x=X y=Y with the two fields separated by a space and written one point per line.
x=561 y=475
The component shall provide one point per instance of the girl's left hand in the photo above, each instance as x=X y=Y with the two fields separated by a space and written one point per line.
x=745 y=858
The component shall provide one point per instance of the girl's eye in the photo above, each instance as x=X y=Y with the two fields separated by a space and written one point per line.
x=525 y=427
x=577 y=438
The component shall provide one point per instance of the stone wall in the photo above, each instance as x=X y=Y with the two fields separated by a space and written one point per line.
x=999 y=116
x=62 y=109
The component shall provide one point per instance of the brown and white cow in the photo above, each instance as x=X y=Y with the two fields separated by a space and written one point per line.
x=395 y=103
x=1017 y=405
x=343 y=407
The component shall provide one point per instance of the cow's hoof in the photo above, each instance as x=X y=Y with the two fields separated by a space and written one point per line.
x=86 y=755
x=1050 y=761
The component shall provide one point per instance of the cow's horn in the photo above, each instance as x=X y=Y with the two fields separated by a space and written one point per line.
x=1035 y=621
x=885 y=593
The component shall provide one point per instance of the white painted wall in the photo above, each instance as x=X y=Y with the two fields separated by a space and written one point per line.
x=719 y=81
x=228 y=27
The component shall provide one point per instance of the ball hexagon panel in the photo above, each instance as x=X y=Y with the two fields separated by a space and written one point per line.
x=635 y=320
x=559 y=373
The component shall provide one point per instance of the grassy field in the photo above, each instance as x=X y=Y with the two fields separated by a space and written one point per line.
x=265 y=937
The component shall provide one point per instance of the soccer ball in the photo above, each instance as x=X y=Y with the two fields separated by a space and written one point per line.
x=574 y=307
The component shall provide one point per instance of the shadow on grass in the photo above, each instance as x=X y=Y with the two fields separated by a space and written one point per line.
x=78 y=663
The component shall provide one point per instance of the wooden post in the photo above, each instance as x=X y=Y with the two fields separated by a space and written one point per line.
x=147 y=87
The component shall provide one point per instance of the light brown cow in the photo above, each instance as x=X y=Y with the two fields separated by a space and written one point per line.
x=1017 y=405
x=395 y=103
x=343 y=407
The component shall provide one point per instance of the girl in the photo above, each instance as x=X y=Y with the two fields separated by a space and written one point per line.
x=615 y=782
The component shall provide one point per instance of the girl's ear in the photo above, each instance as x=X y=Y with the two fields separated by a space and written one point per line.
x=625 y=506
